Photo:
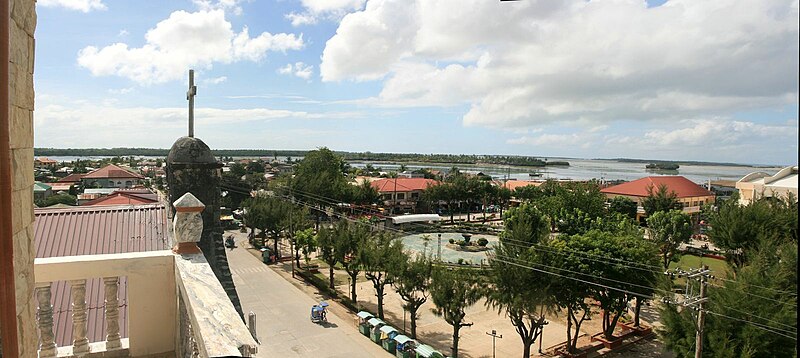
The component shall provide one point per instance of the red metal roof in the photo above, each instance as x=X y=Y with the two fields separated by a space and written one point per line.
x=123 y=198
x=90 y=231
x=72 y=178
x=683 y=188
x=112 y=171
x=387 y=185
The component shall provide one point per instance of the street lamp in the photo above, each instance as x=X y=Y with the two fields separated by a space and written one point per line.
x=494 y=336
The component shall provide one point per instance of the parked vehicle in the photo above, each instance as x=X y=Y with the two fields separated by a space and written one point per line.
x=318 y=312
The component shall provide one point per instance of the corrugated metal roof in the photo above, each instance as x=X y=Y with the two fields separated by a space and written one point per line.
x=375 y=321
x=112 y=171
x=425 y=350
x=92 y=231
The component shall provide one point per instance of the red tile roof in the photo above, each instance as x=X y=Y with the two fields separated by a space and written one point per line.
x=112 y=171
x=387 y=185
x=90 y=231
x=72 y=178
x=683 y=188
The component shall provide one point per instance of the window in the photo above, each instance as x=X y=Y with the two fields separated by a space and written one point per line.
x=414 y=195
x=401 y=196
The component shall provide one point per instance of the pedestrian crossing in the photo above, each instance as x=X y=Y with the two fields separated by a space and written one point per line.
x=255 y=269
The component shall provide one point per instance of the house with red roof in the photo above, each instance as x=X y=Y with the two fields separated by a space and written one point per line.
x=123 y=198
x=402 y=194
x=691 y=196
x=112 y=176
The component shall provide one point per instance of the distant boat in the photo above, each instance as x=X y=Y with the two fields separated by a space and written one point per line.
x=535 y=174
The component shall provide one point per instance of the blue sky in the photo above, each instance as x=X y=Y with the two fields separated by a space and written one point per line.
x=681 y=79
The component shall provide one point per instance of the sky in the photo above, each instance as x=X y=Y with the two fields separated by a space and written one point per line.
x=673 y=80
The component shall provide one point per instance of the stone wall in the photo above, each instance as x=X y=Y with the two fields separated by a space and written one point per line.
x=21 y=27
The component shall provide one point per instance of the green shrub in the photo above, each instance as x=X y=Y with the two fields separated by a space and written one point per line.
x=483 y=241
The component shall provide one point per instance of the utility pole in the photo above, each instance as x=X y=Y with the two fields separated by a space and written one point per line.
x=494 y=336
x=695 y=302
x=439 y=248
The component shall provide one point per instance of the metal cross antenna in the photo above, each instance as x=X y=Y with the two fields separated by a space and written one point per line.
x=190 y=96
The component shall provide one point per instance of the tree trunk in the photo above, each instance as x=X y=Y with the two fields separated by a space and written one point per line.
x=330 y=277
x=608 y=327
x=277 y=253
x=666 y=262
x=379 y=293
x=526 y=349
x=413 y=312
x=353 y=277
x=569 y=330
x=636 y=311
x=454 y=348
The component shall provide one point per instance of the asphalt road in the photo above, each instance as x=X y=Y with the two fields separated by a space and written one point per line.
x=283 y=325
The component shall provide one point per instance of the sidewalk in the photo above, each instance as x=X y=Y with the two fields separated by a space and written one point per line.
x=284 y=327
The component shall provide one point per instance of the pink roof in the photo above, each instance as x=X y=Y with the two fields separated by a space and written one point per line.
x=683 y=188
x=60 y=186
x=388 y=185
x=112 y=171
x=122 y=198
x=89 y=231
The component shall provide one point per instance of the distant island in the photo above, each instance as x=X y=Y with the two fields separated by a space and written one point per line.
x=677 y=162
x=662 y=166
x=456 y=159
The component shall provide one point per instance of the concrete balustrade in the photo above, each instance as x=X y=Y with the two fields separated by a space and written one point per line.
x=166 y=291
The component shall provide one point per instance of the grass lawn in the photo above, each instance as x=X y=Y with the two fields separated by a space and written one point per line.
x=719 y=268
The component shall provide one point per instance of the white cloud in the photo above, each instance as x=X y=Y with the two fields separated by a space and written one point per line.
x=227 y=5
x=298 y=69
x=215 y=80
x=527 y=63
x=61 y=122
x=182 y=41
x=716 y=139
x=79 y=5
x=121 y=91
x=300 y=19
x=123 y=33
x=323 y=6
x=323 y=9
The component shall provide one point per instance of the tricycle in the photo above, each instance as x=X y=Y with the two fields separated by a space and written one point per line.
x=318 y=312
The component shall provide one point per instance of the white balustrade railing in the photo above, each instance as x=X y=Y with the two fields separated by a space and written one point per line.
x=155 y=282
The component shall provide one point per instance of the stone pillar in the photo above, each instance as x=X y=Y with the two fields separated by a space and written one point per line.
x=22 y=25
x=191 y=167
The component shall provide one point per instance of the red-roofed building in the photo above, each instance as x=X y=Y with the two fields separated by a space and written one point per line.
x=72 y=178
x=45 y=162
x=691 y=196
x=402 y=193
x=123 y=198
x=111 y=176
x=96 y=230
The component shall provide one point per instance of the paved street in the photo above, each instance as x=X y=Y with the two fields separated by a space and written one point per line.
x=284 y=328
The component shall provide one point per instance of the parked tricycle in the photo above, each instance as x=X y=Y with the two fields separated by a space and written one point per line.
x=318 y=312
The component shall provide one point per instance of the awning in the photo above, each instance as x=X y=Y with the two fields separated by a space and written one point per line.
x=388 y=329
x=402 y=339
x=364 y=314
x=402 y=219
x=425 y=350
x=375 y=321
